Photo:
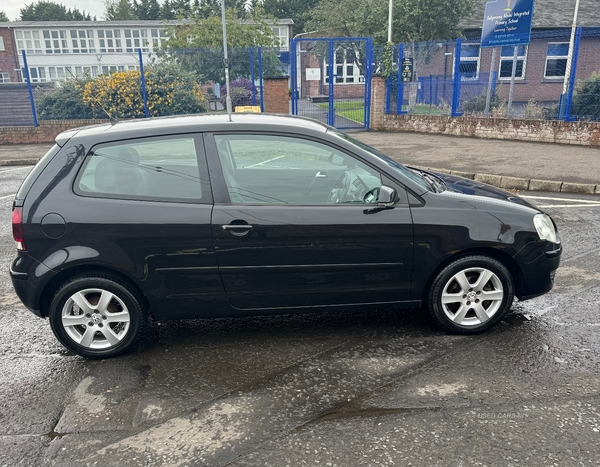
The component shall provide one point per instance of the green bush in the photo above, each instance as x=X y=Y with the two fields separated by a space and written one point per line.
x=65 y=102
x=586 y=99
x=477 y=104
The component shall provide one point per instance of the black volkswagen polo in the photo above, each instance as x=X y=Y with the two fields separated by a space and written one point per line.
x=196 y=216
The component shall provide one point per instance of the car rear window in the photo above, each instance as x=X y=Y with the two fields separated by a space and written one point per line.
x=35 y=173
x=157 y=169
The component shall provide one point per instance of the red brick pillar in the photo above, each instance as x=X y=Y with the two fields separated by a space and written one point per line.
x=277 y=96
x=377 y=102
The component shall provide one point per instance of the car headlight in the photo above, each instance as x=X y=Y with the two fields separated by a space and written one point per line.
x=545 y=227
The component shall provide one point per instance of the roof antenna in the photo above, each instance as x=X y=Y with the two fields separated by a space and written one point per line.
x=111 y=119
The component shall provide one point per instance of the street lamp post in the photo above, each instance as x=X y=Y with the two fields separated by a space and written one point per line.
x=390 y=21
x=569 y=62
x=226 y=60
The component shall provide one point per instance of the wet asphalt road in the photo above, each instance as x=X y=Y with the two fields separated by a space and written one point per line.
x=336 y=389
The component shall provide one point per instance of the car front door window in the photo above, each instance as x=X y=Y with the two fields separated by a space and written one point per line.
x=260 y=169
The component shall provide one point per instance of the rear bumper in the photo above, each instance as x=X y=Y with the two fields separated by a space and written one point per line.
x=27 y=285
x=539 y=262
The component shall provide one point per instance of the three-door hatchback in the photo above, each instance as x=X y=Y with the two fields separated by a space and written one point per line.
x=196 y=216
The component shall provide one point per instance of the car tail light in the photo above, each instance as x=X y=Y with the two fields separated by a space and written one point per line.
x=17 y=227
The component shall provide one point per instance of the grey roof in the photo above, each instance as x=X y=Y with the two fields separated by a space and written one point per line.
x=192 y=123
x=549 y=14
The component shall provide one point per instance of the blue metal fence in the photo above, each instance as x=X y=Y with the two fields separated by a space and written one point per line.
x=452 y=78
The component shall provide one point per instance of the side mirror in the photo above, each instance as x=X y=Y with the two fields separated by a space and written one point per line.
x=387 y=197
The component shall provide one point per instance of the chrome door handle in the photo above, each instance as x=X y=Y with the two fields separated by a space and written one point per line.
x=321 y=175
x=236 y=227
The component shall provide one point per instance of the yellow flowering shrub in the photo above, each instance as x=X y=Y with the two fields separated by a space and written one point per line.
x=170 y=91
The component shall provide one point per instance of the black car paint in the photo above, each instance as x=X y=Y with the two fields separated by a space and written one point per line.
x=187 y=266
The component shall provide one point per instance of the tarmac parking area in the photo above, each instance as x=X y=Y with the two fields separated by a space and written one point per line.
x=326 y=389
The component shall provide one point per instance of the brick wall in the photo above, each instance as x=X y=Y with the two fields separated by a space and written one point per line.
x=8 y=57
x=45 y=133
x=542 y=131
x=277 y=96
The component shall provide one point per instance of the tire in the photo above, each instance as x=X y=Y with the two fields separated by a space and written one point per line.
x=97 y=316
x=457 y=296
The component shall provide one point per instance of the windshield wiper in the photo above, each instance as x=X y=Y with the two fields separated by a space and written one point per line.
x=436 y=183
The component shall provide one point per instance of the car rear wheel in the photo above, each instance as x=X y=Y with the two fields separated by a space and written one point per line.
x=97 y=316
x=471 y=294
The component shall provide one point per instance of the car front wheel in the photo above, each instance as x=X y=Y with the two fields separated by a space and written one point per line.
x=471 y=294
x=97 y=316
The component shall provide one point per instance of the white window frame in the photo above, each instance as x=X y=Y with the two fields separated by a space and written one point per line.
x=159 y=36
x=346 y=78
x=112 y=44
x=136 y=39
x=55 y=41
x=556 y=57
x=83 y=42
x=29 y=40
x=2 y=44
x=40 y=75
x=283 y=39
x=60 y=73
x=522 y=58
x=477 y=60
x=4 y=78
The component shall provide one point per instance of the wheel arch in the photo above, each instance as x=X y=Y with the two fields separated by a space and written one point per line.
x=66 y=274
x=499 y=255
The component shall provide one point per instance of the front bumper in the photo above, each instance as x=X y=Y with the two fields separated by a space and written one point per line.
x=539 y=262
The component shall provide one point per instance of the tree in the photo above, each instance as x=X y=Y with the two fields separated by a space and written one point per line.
x=50 y=11
x=297 y=10
x=118 y=10
x=586 y=100
x=146 y=9
x=414 y=20
x=3 y=17
x=198 y=46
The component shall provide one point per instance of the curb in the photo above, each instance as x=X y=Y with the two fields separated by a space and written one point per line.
x=524 y=184
x=11 y=162
x=500 y=181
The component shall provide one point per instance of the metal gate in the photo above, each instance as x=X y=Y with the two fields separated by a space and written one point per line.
x=331 y=80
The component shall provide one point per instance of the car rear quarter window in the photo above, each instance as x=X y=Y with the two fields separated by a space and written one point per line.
x=153 y=169
x=35 y=173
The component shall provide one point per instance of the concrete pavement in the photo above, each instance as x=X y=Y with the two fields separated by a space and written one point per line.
x=507 y=164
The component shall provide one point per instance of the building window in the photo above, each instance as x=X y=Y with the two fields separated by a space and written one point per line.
x=345 y=70
x=159 y=36
x=36 y=75
x=4 y=78
x=136 y=39
x=1 y=43
x=506 y=62
x=469 y=61
x=109 y=40
x=556 y=59
x=87 y=71
x=282 y=35
x=60 y=73
x=29 y=41
x=56 y=41
x=82 y=41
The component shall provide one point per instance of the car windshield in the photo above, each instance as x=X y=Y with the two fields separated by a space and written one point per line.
x=396 y=166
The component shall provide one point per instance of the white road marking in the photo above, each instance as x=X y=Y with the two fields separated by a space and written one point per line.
x=570 y=205
x=264 y=162
x=17 y=168
x=566 y=200
x=7 y=196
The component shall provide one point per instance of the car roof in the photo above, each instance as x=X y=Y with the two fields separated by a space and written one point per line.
x=192 y=123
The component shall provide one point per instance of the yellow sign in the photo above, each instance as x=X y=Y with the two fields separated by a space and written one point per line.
x=247 y=108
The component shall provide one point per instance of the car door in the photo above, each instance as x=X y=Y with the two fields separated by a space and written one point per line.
x=145 y=204
x=294 y=225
